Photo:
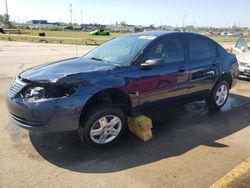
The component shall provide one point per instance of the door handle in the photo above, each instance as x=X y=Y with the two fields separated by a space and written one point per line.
x=182 y=69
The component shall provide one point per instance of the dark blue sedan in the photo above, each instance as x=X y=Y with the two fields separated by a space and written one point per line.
x=125 y=76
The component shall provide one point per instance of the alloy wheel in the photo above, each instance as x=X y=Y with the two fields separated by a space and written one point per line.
x=221 y=95
x=106 y=129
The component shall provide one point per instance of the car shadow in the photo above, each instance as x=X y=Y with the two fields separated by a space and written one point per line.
x=176 y=130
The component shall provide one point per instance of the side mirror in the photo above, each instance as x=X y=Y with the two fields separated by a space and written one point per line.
x=152 y=63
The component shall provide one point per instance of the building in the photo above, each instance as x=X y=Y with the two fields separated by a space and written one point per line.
x=42 y=24
x=35 y=22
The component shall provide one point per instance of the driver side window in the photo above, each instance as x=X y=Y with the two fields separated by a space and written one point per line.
x=170 y=49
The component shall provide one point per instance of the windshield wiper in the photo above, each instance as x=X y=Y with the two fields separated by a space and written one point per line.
x=98 y=59
x=103 y=60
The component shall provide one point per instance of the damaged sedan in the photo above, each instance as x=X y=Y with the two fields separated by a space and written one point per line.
x=96 y=93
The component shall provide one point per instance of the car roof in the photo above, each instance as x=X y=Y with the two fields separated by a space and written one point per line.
x=162 y=33
x=155 y=33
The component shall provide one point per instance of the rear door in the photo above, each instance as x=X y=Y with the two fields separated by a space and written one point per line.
x=203 y=64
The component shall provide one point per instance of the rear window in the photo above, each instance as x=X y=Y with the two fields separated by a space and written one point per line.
x=200 y=47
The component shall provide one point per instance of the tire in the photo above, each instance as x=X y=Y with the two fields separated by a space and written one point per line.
x=218 y=96
x=97 y=128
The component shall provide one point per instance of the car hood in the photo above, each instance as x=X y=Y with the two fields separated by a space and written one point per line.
x=58 y=70
x=244 y=57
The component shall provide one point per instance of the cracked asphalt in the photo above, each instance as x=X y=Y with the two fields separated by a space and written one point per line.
x=191 y=146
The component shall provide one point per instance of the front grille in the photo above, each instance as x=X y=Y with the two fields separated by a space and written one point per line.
x=15 y=87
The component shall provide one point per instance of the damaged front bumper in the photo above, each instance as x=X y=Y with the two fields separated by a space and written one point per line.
x=53 y=115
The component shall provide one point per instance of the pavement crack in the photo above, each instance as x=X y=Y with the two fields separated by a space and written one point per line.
x=56 y=176
x=21 y=66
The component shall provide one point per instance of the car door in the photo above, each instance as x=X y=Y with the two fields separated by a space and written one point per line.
x=167 y=83
x=203 y=65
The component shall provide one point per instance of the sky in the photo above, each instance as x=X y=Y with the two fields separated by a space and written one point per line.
x=217 y=13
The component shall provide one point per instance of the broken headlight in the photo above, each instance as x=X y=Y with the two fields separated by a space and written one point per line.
x=35 y=93
x=46 y=92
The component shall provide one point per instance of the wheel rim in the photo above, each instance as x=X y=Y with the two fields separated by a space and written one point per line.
x=221 y=95
x=106 y=129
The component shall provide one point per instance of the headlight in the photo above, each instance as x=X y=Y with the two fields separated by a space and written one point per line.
x=46 y=92
x=241 y=63
x=35 y=93
x=244 y=64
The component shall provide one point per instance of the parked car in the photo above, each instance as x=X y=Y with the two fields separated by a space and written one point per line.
x=243 y=56
x=1 y=30
x=100 y=32
x=129 y=75
x=68 y=28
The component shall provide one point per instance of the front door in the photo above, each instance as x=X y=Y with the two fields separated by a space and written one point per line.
x=169 y=82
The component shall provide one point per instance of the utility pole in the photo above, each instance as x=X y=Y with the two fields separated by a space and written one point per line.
x=81 y=17
x=74 y=18
x=183 y=21
x=7 y=12
x=70 y=10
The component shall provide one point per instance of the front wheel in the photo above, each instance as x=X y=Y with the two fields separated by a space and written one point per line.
x=104 y=125
x=219 y=96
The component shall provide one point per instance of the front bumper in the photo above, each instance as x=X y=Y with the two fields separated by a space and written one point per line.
x=244 y=72
x=26 y=124
x=54 y=115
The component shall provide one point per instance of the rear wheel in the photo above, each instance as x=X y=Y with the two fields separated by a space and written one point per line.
x=219 y=95
x=103 y=125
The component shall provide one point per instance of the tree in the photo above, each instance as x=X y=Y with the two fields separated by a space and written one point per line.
x=123 y=23
x=4 y=18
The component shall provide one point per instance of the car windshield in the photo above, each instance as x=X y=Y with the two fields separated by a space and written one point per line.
x=120 y=50
x=241 y=44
